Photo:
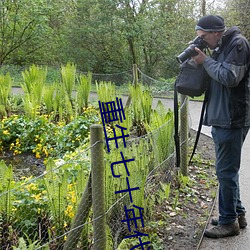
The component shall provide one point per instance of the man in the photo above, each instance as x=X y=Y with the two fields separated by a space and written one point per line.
x=228 y=112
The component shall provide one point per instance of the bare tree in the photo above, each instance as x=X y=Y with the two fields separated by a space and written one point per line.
x=20 y=22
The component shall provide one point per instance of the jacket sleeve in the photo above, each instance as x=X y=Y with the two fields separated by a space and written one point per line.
x=232 y=69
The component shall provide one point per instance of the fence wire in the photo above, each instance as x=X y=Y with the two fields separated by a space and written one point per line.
x=44 y=211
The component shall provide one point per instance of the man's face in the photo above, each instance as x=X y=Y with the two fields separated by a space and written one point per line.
x=211 y=38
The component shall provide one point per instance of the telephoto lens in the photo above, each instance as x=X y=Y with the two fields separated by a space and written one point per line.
x=190 y=50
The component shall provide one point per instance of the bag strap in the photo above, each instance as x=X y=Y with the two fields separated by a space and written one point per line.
x=199 y=127
x=176 y=126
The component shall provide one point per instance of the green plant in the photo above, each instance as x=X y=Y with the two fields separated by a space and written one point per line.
x=5 y=90
x=106 y=91
x=62 y=104
x=6 y=196
x=30 y=208
x=42 y=136
x=154 y=242
x=184 y=181
x=28 y=244
x=68 y=74
x=34 y=81
x=176 y=199
x=166 y=188
x=56 y=186
x=161 y=126
x=141 y=103
x=83 y=91
x=48 y=98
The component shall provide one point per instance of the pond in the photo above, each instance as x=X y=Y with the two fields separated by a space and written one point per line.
x=25 y=164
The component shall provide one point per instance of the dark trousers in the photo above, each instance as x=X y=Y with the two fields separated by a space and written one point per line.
x=228 y=145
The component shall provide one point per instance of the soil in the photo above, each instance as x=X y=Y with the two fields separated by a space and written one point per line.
x=186 y=222
x=25 y=164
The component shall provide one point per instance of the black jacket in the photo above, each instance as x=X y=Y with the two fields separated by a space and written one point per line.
x=229 y=90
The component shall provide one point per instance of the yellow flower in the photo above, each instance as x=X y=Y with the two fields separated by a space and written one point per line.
x=73 y=199
x=37 y=196
x=69 y=211
x=45 y=151
x=38 y=155
x=14 y=209
x=6 y=132
x=31 y=187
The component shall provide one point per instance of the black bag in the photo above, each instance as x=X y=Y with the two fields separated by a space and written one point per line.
x=192 y=80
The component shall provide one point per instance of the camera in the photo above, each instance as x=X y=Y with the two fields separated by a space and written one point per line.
x=190 y=51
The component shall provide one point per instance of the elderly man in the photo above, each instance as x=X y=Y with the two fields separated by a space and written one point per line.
x=228 y=112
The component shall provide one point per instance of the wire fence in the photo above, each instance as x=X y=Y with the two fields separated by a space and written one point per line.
x=55 y=210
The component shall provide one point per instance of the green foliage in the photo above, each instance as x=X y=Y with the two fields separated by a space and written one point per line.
x=103 y=36
x=161 y=126
x=5 y=90
x=29 y=245
x=34 y=81
x=43 y=137
x=68 y=74
x=30 y=206
x=83 y=91
x=56 y=183
x=141 y=103
x=48 y=98
x=106 y=91
x=49 y=197
x=6 y=184
x=166 y=188
x=154 y=242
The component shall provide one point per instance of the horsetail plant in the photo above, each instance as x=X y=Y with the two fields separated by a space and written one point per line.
x=56 y=184
x=33 y=85
x=6 y=184
x=68 y=74
x=161 y=126
x=83 y=91
x=5 y=89
x=141 y=106
x=48 y=98
x=106 y=91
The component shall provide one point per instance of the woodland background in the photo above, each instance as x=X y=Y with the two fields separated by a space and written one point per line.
x=107 y=36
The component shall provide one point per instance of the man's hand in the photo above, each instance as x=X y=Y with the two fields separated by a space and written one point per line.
x=200 y=58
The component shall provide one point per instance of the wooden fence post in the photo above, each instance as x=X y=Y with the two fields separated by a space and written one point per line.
x=135 y=82
x=184 y=135
x=80 y=218
x=135 y=74
x=98 y=187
